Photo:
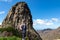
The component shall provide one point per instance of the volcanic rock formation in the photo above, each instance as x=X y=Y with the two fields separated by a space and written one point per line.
x=19 y=14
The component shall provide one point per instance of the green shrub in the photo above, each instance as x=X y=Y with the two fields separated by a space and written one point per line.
x=11 y=29
x=16 y=35
x=10 y=38
x=26 y=38
x=1 y=38
x=4 y=38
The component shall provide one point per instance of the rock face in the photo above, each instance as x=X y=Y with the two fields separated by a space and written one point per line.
x=18 y=15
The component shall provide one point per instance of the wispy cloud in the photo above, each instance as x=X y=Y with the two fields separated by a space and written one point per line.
x=2 y=12
x=46 y=22
x=6 y=0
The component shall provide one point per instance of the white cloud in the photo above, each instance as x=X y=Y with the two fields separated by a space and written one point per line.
x=6 y=0
x=48 y=23
x=45 y=22
x=55 y=19
x=2 y=12
x=0 y=23
x=39 y=21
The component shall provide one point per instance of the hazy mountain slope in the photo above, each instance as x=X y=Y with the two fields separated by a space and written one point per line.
x=50 y=34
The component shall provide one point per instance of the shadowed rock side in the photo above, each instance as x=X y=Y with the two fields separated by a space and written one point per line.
x=19 y=13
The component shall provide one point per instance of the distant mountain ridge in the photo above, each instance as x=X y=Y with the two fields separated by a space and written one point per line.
x=50 y=34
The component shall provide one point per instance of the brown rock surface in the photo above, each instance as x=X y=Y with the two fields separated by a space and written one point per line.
x=19 y=14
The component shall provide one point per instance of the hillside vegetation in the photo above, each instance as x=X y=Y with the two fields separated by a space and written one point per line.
x=10 y=33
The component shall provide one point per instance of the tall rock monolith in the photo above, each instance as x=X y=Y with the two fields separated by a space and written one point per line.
x=19 y=14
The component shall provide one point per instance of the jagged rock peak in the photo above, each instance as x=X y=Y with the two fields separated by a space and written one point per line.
x=18 y=12
x=19 y=15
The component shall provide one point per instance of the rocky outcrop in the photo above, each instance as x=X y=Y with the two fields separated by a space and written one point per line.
x=18 y=15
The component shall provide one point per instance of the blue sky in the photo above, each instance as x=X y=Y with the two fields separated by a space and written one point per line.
x=45 y=13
